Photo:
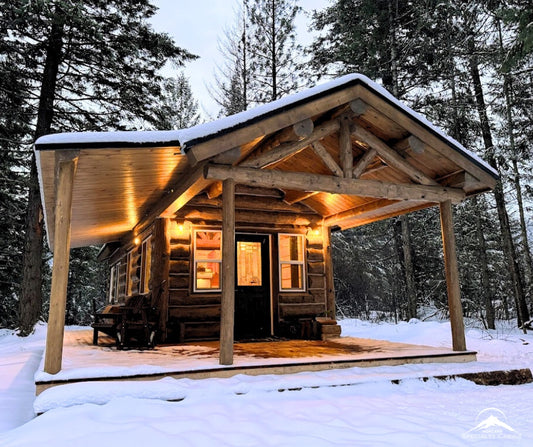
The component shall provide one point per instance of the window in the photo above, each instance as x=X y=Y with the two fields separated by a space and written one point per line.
x=129 y=267
x=291 y=262
x=113 y=284
x=146 y=264
x=207 y=260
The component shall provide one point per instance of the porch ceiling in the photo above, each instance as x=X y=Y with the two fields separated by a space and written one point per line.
x=364 y=157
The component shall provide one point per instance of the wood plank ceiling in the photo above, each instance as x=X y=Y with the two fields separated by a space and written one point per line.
x=116 y=188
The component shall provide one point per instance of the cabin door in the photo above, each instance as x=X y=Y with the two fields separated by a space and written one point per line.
x=252 y=286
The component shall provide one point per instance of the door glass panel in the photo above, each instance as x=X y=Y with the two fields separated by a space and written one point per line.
x=249 y=263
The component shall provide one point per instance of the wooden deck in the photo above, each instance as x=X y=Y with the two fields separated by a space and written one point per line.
x=84 y=362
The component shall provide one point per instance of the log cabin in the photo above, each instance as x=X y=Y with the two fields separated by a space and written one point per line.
x=228 y=224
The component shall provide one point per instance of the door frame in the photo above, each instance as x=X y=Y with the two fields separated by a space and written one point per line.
x=270 y=267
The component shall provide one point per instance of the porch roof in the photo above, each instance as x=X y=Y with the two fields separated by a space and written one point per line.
x=397 y=162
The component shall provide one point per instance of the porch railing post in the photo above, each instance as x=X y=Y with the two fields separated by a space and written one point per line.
x=227 y=315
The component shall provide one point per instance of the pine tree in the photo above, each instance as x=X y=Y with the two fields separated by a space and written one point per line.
x=274 y=52
x=93 y=66
x=177 y=108
x=14 y=156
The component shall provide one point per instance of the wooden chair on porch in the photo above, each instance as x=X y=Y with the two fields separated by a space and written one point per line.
x=138 y=324
x=106 y=320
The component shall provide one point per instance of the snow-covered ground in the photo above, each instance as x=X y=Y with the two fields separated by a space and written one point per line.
x=250 y=411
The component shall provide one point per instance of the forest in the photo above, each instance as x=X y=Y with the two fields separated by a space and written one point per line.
x=99 y=65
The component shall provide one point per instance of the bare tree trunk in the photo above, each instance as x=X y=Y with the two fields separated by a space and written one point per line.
x=514 y=155
x=410 y=287
x=507 y=240
x=405 y=233
x=31 y=294
x=487 y=291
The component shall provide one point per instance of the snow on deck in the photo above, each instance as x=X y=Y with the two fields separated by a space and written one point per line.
x=82 y=360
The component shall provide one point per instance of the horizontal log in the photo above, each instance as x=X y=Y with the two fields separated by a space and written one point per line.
x=330 y=329
x=195 y=313
x=295 y=298
x=416 y=145
x=180 y=251
x=317 y=282
x=304 y=128
x=254 y=203
x=208 y=329
x=253 y=217
x=181 y=266
x=301 y=310
x=182 y=297
x=179 y=281
x=315 y=254
x=319 y=296
x=314 y=182
x=178 y=296
x=315 y=267
x=358 y=107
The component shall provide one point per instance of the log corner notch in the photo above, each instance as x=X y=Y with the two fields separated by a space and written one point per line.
x=452 y=277
x=66 y=163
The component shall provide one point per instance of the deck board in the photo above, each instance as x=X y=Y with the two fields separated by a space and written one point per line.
x=84 y=362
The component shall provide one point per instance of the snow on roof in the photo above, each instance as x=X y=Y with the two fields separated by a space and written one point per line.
x=187 y=138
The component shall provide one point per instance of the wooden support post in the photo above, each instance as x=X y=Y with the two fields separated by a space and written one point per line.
x=58 y=294
x=227 y=314
x=330 y=286
x=452 y=277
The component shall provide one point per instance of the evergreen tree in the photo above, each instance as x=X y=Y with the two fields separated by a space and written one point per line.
x=92 y=65
x=274 y=52
x=14 y=156
x=177 y=109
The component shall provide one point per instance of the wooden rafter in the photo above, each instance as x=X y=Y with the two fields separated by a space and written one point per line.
x=323 y=183
x=297 y=196
x=178 y=195
x=328 y=160
x=363 y=162
x=360 y=210
x=285 y=150
x=391 y=157
x=253 y=203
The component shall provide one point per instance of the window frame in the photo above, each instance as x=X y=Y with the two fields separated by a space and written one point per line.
x=113 y=283
x=302 y=263
x=198 y=260
x=146 y=270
